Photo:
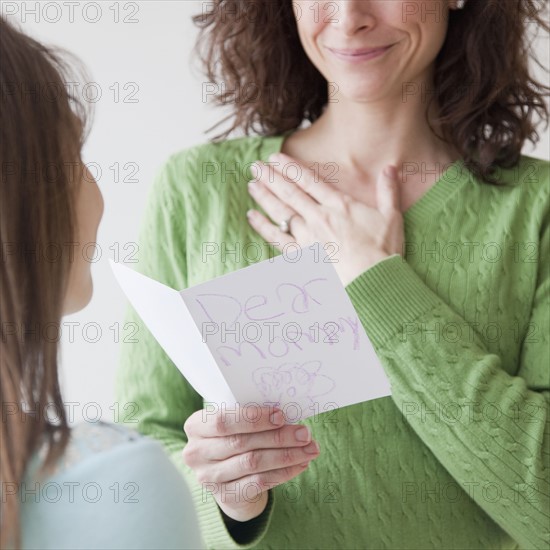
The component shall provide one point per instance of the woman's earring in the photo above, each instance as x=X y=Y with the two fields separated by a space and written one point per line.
x=460 y=4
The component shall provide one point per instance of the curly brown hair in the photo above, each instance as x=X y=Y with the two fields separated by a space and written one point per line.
x=251 y=52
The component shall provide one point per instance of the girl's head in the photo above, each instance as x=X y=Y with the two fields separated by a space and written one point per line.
x=50 y=210
x=278 y=64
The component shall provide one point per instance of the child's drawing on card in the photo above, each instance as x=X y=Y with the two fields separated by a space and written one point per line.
x=298 y=383
x=306 y=346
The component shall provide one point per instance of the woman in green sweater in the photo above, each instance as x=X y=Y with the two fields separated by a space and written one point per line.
x=409 y=166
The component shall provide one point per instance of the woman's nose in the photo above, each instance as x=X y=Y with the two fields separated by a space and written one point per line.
x=353 y=16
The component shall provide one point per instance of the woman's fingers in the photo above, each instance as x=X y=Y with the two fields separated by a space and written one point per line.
x=221 y=448
x=286 y=186
x=273 y=206
x=256 y=462
x=250 y=444
x=388 y=191
x=306 y=179
x=247 y=419
x=270 y=232
x=264 y=480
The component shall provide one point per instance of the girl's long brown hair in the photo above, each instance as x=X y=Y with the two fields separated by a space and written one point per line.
x=41 y=134
x=487 y=97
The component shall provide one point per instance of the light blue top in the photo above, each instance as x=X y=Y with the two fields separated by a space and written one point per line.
x=113 y=488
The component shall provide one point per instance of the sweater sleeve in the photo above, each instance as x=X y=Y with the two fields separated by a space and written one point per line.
x=500 y=457
x=147 y=380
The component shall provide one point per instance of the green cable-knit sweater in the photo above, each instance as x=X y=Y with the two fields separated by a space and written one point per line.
x=457 y=457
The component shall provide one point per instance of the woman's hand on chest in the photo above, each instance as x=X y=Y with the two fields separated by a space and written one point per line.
x=319 y=212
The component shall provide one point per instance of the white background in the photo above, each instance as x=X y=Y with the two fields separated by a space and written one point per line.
x=155 y=53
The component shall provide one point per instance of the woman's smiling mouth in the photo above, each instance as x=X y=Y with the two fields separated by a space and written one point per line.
x=358 y=55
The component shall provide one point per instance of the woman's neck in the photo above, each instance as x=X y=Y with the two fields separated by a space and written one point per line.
x=365 y=137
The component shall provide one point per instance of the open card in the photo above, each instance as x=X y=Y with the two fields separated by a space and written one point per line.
x=282 y=331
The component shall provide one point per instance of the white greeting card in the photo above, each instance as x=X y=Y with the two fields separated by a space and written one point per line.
x=282 y=331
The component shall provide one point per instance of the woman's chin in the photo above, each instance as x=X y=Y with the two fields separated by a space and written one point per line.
x=360 y=92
